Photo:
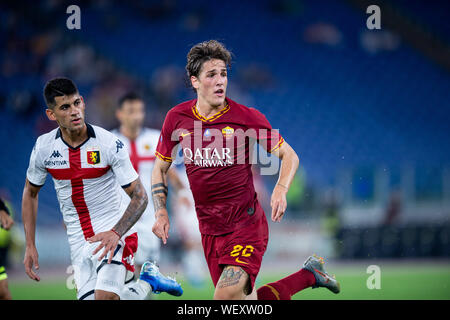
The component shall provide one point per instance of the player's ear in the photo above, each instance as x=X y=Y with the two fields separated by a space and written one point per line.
x=50 y=114
x=194 y=82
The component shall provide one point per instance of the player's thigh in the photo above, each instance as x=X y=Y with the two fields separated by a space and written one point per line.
x=233 y=284
x=253 y=295
x=110 y=279
x=85 y=275
x=105 y=295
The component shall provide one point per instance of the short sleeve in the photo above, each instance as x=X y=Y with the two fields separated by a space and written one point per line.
x=36 y=172
x=121 y=164
x=267 y=137
x=168 y=141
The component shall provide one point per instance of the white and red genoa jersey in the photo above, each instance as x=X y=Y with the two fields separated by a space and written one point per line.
x=87 y=179
x=142 y=156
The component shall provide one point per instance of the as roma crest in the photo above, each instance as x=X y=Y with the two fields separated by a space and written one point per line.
x=227 y=132
x=93 y=157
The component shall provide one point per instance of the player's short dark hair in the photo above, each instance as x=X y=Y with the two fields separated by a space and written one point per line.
x=205 y=51
x=129 y=96
x=58 y=87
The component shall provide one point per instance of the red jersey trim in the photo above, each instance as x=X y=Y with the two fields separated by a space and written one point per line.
x=164 y=158
x=277 y=146
x=213 y=117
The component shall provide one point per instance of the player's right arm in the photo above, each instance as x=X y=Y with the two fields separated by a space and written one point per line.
x=165 y=152
x=159 y=197
x=36 y=175
x=29 y=214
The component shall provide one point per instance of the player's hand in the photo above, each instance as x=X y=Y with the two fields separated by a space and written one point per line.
x=161 y=226
x=31 y=258
x=278 y=202
x=6 y=222
x=108 y=240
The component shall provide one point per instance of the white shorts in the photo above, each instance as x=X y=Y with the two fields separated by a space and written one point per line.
x=91 y=274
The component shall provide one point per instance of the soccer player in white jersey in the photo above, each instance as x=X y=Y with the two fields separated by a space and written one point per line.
x=89 y=165
x=141 y=143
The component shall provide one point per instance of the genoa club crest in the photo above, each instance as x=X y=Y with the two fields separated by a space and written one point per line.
x=93 y=157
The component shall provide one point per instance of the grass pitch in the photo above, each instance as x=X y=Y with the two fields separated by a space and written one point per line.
x=398 y=282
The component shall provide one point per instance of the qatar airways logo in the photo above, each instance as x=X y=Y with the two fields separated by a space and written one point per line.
x=227 y=145
x=208 y=157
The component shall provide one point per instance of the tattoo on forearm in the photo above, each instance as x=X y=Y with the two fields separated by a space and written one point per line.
x=159 y=202
x=159 y=191
x=230 y=276
x=138 y=203
x=159 y=196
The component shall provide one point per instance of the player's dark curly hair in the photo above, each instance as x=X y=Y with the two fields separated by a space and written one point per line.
x=58 y=87
x=203 y=52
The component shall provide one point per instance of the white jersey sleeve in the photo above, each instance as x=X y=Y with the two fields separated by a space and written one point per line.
x=36 y=172
x=121 y=163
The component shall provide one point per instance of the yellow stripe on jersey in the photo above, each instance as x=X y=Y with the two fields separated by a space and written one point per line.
x=277 y=146
x=274 y=291
x=164 y=158
x=213 y=117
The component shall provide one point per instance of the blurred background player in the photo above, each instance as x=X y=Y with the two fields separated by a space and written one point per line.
x=186 y=224
x=6 y=222
x=141 y=143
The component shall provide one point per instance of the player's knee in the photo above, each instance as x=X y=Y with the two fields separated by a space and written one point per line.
x=229 y=293
x=105 y=295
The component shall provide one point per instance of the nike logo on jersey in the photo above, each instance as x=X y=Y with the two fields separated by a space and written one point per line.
x=185 y=134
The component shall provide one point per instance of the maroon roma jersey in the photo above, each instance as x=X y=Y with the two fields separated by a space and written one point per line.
x=217 y=153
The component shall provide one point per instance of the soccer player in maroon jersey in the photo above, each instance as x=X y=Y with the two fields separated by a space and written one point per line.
x=216 y=135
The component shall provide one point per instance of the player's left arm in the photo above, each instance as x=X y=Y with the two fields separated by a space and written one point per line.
x=136 y=207
x=289 y=165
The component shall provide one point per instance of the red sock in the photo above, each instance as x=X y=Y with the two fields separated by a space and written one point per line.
x=285 y=288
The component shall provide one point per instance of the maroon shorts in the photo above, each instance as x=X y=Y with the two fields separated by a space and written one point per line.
x=244 y=247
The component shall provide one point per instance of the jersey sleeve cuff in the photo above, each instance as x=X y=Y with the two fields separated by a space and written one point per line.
x=164 y=158
x=277 y=146
x=35 y=184
x=127 y=184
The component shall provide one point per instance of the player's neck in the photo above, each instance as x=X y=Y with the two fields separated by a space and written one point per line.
x=74 y=137
x=206 y=110
x=130 y=133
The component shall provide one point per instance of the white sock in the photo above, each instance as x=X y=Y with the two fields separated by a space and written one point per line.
x=136 y=290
